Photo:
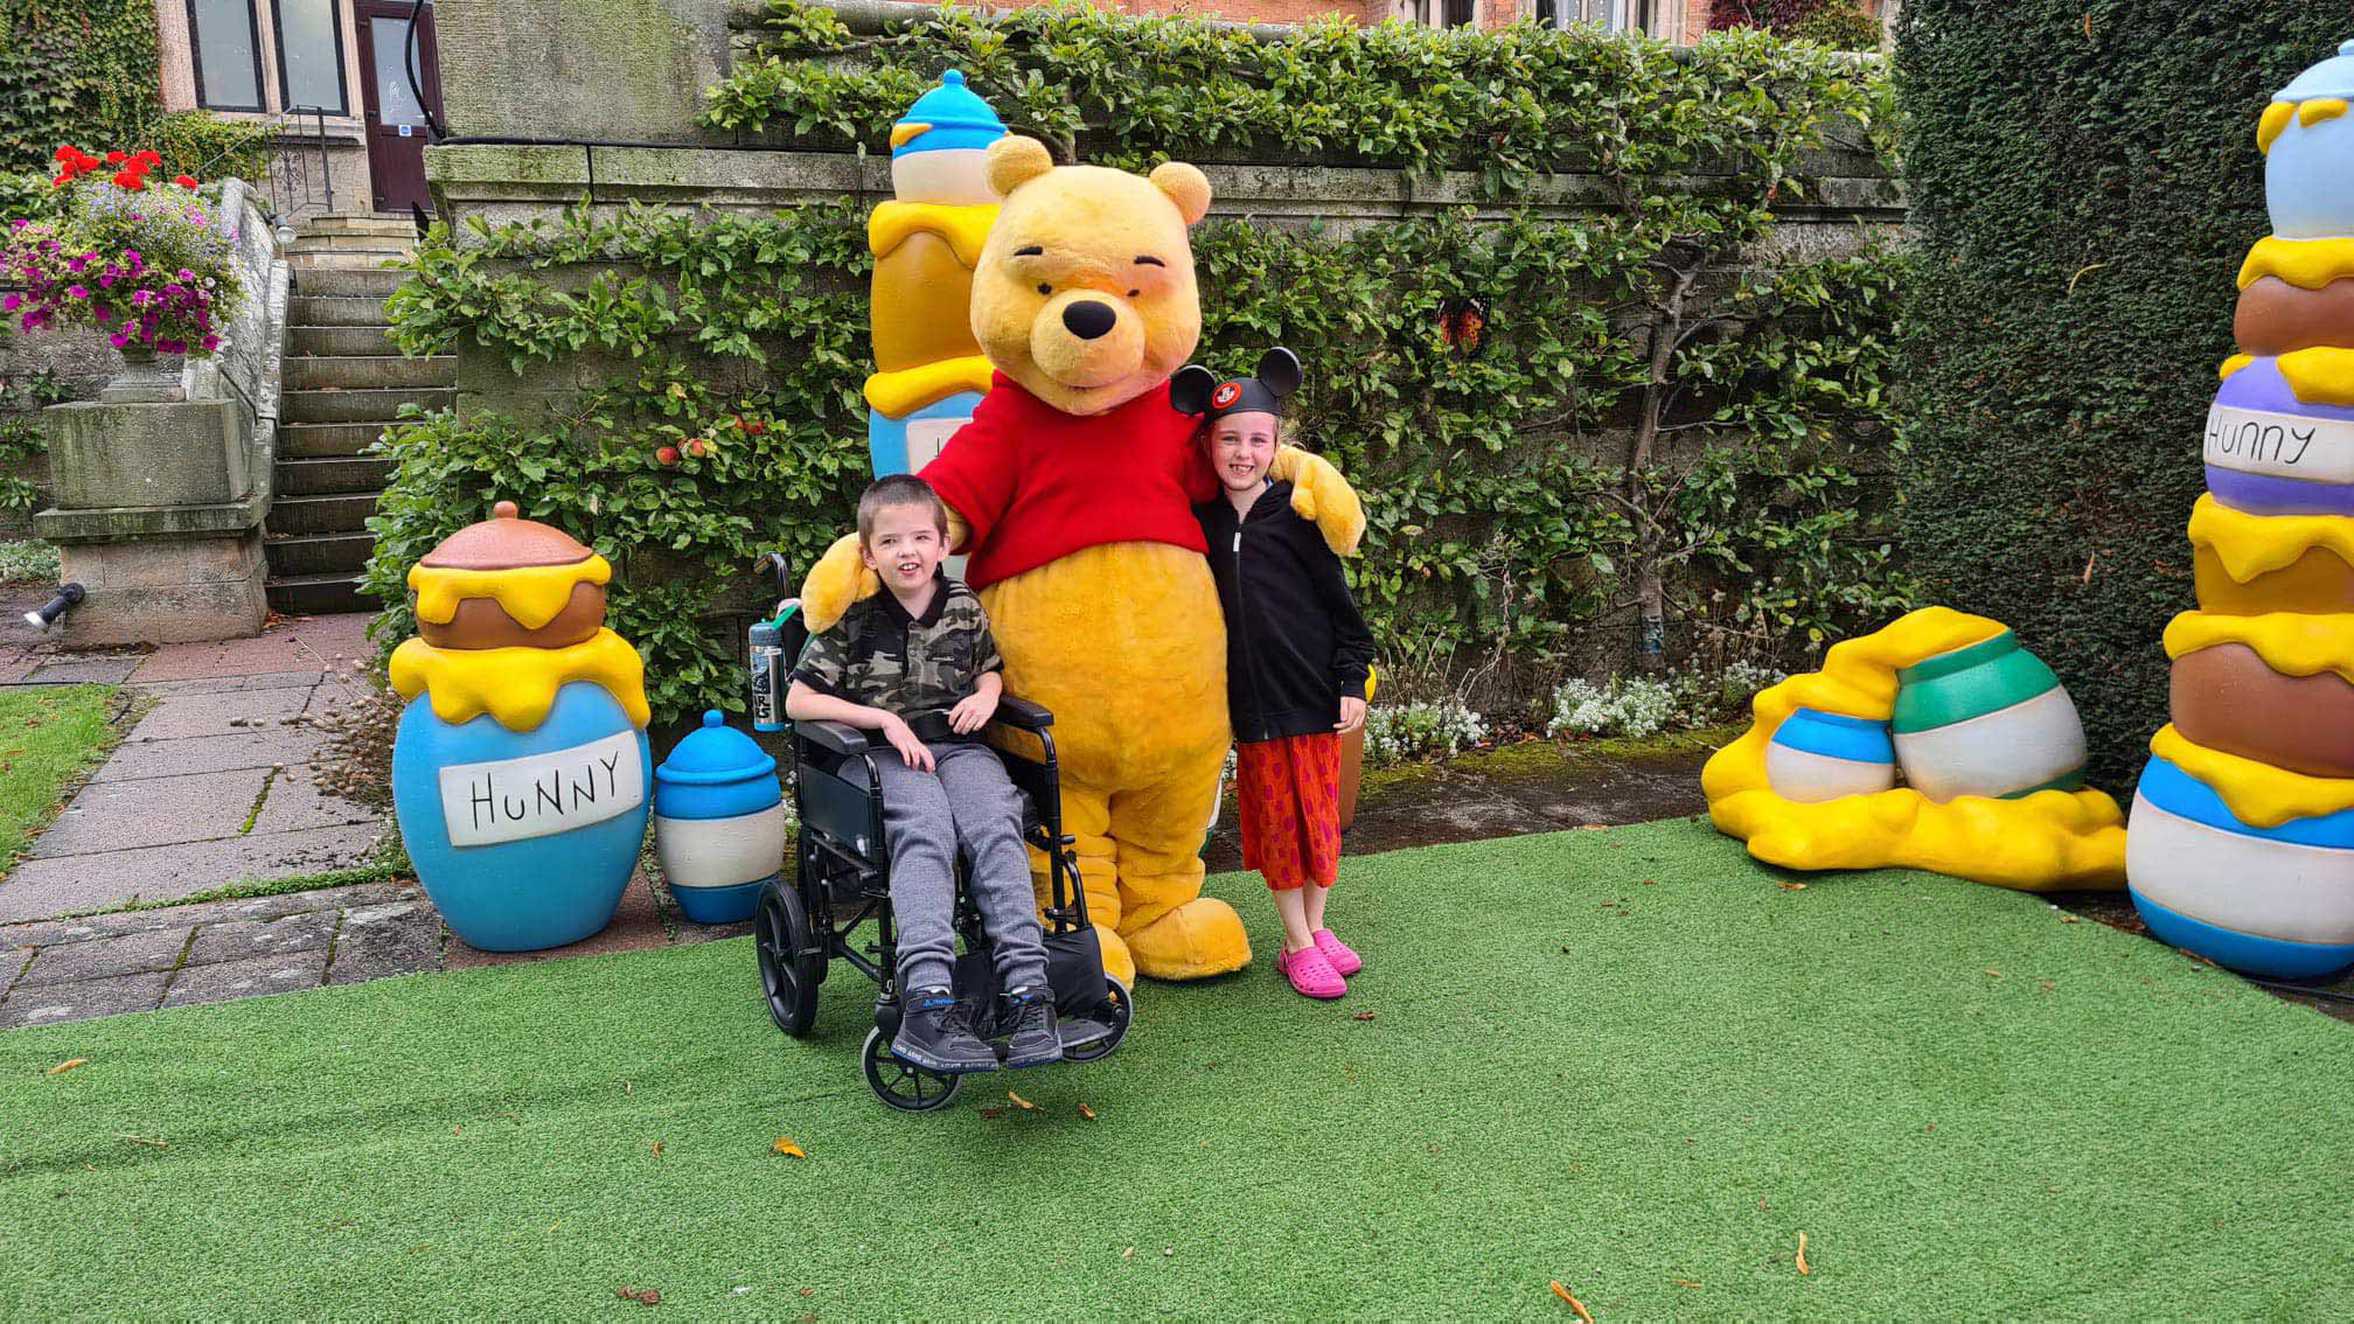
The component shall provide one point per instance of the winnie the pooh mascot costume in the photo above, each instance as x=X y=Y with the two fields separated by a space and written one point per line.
x=1071 y=492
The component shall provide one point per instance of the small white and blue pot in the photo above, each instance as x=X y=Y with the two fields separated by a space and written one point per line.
x=1816 y=756
x=2276 y=902
x=719 y=822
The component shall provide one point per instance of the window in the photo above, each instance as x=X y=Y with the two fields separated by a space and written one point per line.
x=228 y=54
x=310 y=56
x=1616 y=15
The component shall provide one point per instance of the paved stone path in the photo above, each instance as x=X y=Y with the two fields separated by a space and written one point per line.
x=53 y=971
x=214 y=785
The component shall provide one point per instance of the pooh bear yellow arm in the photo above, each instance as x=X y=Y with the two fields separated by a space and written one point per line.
x=2041 y=842
x=840 y=578
x=1321 y=496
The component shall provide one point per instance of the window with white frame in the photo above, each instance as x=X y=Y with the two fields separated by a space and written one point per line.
x=310 y=56
x=226 y=43
x=1614 y=15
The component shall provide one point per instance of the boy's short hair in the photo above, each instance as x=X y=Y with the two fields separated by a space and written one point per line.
x=899 y=490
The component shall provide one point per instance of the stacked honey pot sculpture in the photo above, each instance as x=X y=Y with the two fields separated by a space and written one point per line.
x=2242 y=836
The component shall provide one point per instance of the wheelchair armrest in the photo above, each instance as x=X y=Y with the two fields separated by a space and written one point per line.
x=1022 y=714
x=838 y=737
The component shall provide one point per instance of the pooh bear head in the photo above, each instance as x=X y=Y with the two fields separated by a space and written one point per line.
x=1085 y=292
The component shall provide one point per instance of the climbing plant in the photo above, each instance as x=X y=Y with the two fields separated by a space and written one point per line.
x=1576 y=436
x=78 y=71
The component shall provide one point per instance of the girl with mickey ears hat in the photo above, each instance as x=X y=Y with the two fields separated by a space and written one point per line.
x=1297 y=651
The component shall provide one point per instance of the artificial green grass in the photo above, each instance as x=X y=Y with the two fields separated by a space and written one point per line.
x=48 y=735
x=1627 y=1061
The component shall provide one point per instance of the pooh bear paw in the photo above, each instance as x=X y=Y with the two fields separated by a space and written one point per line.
x=1117 y=962
x=839 y=579
x=1201 y=938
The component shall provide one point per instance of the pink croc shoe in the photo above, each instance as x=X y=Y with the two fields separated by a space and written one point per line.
x=1344 y=961
x=1310 y=974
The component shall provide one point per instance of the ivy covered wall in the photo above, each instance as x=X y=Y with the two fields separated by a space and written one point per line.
x=81 y=71
x=2085 y=182
x=1638 y=430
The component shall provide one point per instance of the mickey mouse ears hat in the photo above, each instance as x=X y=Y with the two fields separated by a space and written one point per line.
x=1197 y=390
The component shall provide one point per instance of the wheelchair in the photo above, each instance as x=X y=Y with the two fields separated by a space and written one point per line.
x=842 y=880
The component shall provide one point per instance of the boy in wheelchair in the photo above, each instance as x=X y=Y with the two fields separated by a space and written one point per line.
x=917 y=664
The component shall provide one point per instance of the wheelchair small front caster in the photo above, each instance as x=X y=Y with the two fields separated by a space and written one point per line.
x=1094 y=1036
x=902 y=1085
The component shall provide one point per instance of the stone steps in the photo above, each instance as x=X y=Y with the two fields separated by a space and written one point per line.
x=338 y=340
x=333 y=475
x=316 y=554
x=343 y=372
x=318 y=595
x=376 y=406
x=322 y=441
x=334 y=310
x=331 y=512
x=344 y=386
x=334 y=283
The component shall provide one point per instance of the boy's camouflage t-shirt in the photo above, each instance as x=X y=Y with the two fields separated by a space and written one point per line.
x=915 y=666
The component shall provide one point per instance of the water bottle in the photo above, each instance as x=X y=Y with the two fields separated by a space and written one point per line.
x=768 y=675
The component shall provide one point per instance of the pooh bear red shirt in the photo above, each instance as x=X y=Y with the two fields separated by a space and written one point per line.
x=1050 y=483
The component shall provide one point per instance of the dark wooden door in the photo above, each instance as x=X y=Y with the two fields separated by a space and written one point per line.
x=396 y=120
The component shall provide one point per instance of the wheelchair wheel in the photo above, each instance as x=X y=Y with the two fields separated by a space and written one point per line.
x=1104 y=1029
x=902 y=1085
x=780 y=931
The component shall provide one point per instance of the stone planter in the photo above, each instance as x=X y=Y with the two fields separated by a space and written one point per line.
x=105 y=456
x=147 y=378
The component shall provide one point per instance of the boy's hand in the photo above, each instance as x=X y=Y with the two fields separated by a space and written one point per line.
x=1352 y=714
x=895 y=730
x=972 y=712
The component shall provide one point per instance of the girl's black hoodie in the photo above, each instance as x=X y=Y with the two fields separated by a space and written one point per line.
x=1295 y=642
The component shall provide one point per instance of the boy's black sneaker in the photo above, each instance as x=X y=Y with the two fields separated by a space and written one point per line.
x=936 y=1033
x=1033 y=1040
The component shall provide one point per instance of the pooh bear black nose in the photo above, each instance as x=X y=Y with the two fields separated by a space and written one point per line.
x=1089 y=319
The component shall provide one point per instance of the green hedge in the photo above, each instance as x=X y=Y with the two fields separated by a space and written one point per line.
x=78 y=71
x=2085 y=181
x=1534 y=491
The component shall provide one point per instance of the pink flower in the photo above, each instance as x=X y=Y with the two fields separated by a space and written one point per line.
x=76 y=264
x=77 y=291
x=211 y=343
x=119 y=339
x=172 y=346
x=10 y=303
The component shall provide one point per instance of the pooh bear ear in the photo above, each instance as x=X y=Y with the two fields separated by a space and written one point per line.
x=1186 y=186
x=1279 y=371
x=1013 y=161
x=1189 y=390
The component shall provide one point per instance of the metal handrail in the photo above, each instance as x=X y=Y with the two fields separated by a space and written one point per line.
x=290 y=148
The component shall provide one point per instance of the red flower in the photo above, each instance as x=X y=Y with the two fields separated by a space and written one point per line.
x=186 y=181
x=61 y=181
x=148 y=159
x=128 y=180
x=66 y=153
x=116 y=158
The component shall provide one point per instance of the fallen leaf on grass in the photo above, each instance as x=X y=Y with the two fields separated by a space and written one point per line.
x=142 y=1140
x=1593 y=827
x=809 y=1291
x=657 y=1149
x=1086 y=1112
x=2070 y=919
x=1363 y=1016
x=1019 y=1102
x=1685 y=1282
x=1791 y=887
x=1128 y=1254
x=784 y=1145
x=645 y=1297
x=992 y=1114
x=68 y=1065
x=1803 y=1270
x=1993 y=973
x=1574 y=1303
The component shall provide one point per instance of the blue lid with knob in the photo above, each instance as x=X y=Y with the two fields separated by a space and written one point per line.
x=716 y=772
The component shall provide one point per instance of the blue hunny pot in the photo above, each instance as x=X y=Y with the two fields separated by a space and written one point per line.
x=719 y=822
x=523 y=839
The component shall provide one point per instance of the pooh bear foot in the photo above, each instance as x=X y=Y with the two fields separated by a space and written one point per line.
x=1117 y=962
x=1201 y=938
